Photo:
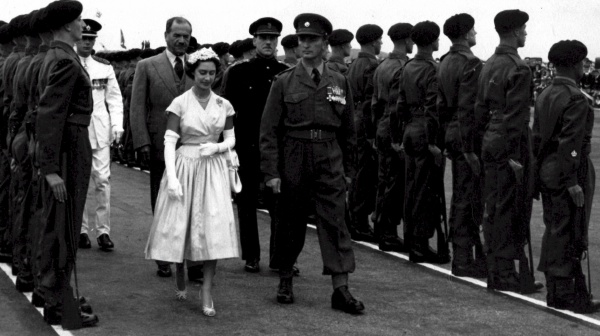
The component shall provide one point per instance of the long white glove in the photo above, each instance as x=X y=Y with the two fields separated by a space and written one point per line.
x=173 y=186
x=209 y=149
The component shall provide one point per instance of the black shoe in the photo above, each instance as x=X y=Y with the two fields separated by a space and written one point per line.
x=14 y=269
x=24 y=285
x=164 y=271
x=343 y=300
x=423 y=254
x=84 y=305
x=252 y=266
x=53 y=316
x=508 y=283
x=470 y=270
x=37 y=300
x=392 y=245
x=366 y=235
x=285 y=293
x=84 y=241
x=105 y=243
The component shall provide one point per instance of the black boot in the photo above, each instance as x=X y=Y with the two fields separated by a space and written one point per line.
x=285 y=293
x=583 y=303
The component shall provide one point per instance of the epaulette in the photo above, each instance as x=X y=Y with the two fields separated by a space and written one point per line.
x=100 y=60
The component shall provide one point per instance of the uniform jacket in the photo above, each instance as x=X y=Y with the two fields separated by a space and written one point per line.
x=8 y=75
x=296 y=103
x=20 y=92
x=360 y=75
x=247 y=87
x=154 y=87
x=382 y=82
x=108 y=102
x=32 y=78
x=338 y=64
x=504 y=89
x=418 y=89
x=562 y=132
x=290 y=61
x=457 y=82
x=65 y=98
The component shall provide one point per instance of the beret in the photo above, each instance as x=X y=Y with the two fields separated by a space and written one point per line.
x=400 y=31
x=246 y=45
x=266 y=26
x=61 y=12
x=340 y=36
x=289 y=41
x=312 y=24
x=92 y=27
x=458 y=25
x=425 y=33
x=368 y=33
x=221 y=48
x=5 y=36
x=508 y=20
x=234 y=49
x=148 y=52
x=19 y=25
x=567 y=53
x=38 y=21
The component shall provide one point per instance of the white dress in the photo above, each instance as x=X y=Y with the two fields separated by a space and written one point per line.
x=201 y=226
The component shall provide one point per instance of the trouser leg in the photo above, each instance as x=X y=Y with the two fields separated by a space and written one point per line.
x=246 y=204
x=101 y=173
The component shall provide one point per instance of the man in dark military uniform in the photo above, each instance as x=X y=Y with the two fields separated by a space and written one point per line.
x=562 y=133
x=242 y=51
x=340 y=40
x=363 y=191
x=307 y=143
x=291 y=50
x=457 y=80
x=390 y=183
x=247 y=88
x=417 y=113
x=65 y=156
x=502 y=106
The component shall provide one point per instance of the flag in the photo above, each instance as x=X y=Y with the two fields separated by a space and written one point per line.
x=123 y=40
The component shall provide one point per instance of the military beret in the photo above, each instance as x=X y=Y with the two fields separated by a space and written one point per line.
x=368 y=33
x=246 y=45
x=567 y=53
x=61 y=12
x=508 y=20
x=400 y=31
x=19 y=25
x=458 y=25
x=312 y=24
x=38 y=21
x=234 y=49
x=5 y=36
x=266 y=26
x=91 y=28
x=148 y=52
x=425 y=33
x=221 y=48
x=290 y=41
x=340 y=36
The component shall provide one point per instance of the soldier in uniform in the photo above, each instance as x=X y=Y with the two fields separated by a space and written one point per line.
x=65 y=156
x=562 y=132
x=340 y=40
x=307 y=142
x=417 y=113
x=390 y=183
x=504 y=94
x=457 y=80
x=291 y=50
x=363 y=191
x=105 y=127
x=243 y=51
x=247 y=88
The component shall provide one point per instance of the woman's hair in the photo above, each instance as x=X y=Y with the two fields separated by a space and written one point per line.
x=203 y=55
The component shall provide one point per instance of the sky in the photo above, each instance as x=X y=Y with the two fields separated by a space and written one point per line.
x=213 y=21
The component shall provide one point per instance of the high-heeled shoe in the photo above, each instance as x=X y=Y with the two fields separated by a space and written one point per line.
x=206 y=310
x=181 y=295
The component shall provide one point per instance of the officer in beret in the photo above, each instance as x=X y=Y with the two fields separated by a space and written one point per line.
x=390 y=183
x=105 y=127
x=457 y=78
x=340 y=40
x=361 y=200
x=65 y=157
x=503 y=99
x=247 y=88
x=307 y=143
x=416 y=127
x=291 y=50
x=562 y=131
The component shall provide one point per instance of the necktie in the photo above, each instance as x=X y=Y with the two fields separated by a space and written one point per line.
x=178 y=67
x=316 y=76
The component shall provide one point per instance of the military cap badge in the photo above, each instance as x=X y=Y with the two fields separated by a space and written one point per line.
x=307 y=24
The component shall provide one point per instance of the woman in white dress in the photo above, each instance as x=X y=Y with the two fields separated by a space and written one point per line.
x=194 y=215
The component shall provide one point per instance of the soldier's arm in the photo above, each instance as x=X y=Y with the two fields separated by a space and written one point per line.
x=347 y=135
x=114 y=101
x=431 y=112
x=570 y=139
x=269 y=131
x=20 y=104
x=52 y=113
x=138 y=108
x=398 y=109
x=516 y=112
x=467 y=96
x=369 y=88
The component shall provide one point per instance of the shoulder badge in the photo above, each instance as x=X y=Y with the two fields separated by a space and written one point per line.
x=100 y=60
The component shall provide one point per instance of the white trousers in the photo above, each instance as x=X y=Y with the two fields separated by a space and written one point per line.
x=99 y=189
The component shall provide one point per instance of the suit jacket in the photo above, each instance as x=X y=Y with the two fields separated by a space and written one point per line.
x=154 y=88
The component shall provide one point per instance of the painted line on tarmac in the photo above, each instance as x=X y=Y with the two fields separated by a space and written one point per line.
x=57 y=328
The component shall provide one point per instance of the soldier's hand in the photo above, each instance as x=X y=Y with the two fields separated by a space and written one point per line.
x=437 y=154
x=145 y=153
x=577 y=195
x=58 y=187
x=473 y=162
x=274 y=184
x=517 y=169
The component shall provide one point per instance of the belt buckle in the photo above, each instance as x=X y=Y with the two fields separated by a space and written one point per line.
x=315 y=134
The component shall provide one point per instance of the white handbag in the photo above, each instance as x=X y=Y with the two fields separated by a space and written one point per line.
x=234 y=178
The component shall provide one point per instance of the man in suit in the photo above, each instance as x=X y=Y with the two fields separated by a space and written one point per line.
x=157 y=81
